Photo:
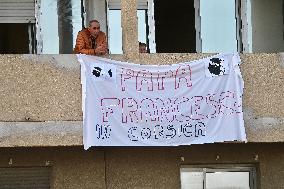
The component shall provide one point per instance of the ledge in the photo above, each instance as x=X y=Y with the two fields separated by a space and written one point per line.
x=70 y=133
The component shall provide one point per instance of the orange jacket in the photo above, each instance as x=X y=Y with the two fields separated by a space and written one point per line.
x=84 y=42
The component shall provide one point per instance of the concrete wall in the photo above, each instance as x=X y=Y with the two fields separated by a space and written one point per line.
x=267 y=26
x=117 y=167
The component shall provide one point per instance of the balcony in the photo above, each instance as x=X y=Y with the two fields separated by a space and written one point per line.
x=40 y=97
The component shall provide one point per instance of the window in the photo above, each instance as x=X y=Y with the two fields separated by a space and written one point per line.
x=218 y=26
x=108 y=13
x=115 y=31
x=265 y=19
x=59 y=23
x=25 y=177
x=17 y=27
x=175 y=26
x=142 y=26
x=17 y=38
x=213 y=177
x=181 y=26
x=114 y=25
x=196 y=26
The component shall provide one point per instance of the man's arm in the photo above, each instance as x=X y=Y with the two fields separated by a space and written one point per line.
x=102 y=47
x=81 y=46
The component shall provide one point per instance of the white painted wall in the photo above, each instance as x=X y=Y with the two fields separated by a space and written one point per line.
x=267 y=26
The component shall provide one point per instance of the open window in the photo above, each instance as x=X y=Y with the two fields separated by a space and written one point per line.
x=58 y=23
x=180 y=26
x=263 y=26
x=146 y=24
x=175 y=26
x=114 y=25
x=142 y=18
x=218 y=176
x=108 y=13
x=197 y=26
x=17 y=27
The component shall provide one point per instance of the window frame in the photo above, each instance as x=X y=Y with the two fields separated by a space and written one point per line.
x=116 y=5
x=207 y=168
x=240 y=31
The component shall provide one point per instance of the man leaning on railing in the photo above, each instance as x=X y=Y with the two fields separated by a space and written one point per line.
x=91 y=40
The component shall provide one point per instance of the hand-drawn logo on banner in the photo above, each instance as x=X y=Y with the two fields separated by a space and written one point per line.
x=97 y=71
x=216 y=67
x=104 y=72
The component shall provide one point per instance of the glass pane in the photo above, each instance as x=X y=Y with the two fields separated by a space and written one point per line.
x=191 y=180
x=141 y=14
x=227 y=180
x=49 y=27
x=60 y=22
x=115 y=32
x=218 y=26
x=76 y=19
x=143 y=28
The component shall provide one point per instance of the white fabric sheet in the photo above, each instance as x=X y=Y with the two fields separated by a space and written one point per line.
x=126 y=104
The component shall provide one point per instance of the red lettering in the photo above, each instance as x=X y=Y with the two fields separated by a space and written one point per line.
x=183 y=73
x=166 y=110
x=196 y=114
x=184 y=109
x=148 y=110
x=129 y=110
x=227 y=101
x=161 y=79
x=126 y=74
x=213 y=107
x=107 y=106
x=144 y=76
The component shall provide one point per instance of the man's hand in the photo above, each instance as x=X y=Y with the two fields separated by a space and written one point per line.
x=100 y=50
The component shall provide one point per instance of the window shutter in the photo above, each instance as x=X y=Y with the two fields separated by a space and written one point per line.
x=25 y=177
x=17 y=11
x=142 y=4
x=114 y=4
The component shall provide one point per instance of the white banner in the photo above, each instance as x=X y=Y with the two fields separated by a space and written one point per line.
x=126 y=104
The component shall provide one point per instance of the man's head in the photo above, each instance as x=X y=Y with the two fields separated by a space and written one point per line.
x=142 y=48
x=94 y=27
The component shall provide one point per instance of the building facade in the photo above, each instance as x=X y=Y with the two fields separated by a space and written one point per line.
x=41 y=142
